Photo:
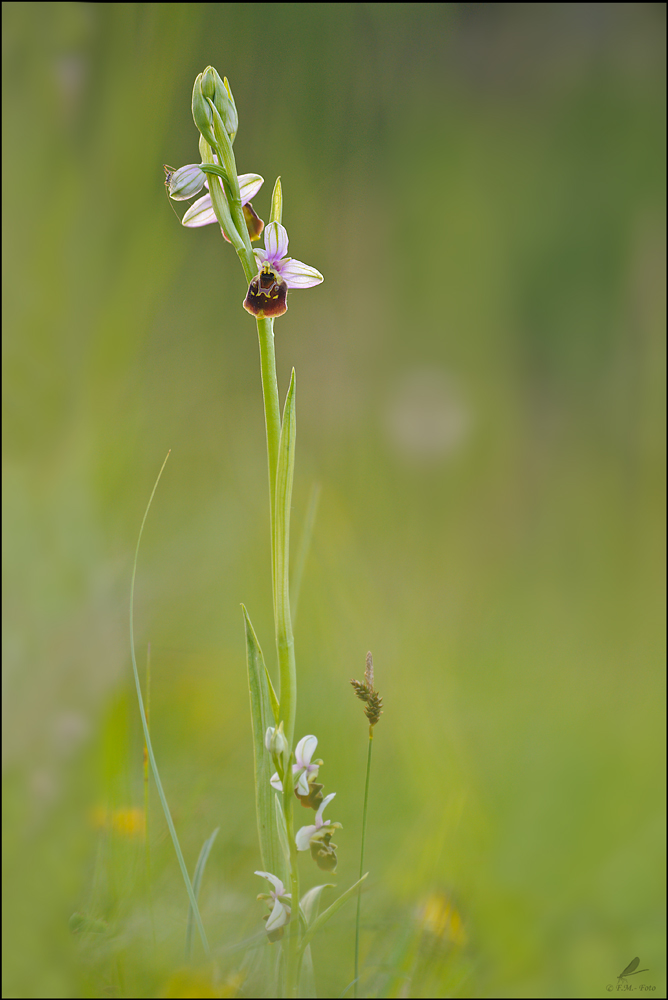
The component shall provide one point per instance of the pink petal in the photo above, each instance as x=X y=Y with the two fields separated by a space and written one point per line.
x=200 y=213
x=299 y=275
x=275 y=241
x=249 y=185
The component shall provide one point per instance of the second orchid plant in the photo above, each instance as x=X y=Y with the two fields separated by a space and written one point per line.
x=285 y=771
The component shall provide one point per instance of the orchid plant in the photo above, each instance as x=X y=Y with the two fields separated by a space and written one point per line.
x=284 y=772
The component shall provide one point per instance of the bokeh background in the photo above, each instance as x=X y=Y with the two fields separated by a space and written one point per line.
x=480 y=385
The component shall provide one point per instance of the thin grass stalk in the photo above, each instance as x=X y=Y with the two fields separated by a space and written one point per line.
x=359 y=894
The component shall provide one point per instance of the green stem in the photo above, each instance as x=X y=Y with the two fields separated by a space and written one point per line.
x=283 y=504
x=272 y=421
x=294 y=955
x=359 y=895
x=227 y=160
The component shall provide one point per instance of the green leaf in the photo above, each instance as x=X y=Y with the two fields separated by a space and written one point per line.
x=262 y=716
x=311 y=900
x=329 y=912
x=197 y=881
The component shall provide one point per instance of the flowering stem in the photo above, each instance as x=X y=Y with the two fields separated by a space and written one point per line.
x=226 y=157
x=272 y=414
x=293 y=963
x=283 y=504
x=359 y=894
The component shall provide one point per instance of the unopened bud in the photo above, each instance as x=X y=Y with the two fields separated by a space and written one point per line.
x=275 y=741
x=219 y=92
x=202 y=113
x=185 y=182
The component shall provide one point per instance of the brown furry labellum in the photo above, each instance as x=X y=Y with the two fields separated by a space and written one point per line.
x=267 y=294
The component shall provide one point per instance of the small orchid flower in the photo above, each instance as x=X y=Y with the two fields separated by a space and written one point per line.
x=268 y=292
x=318 y=837
x=280 y=911
x=303 y=756
x=201 y=212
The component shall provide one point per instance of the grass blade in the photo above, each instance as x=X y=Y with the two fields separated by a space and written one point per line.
x=147 y=738
x=197 y=881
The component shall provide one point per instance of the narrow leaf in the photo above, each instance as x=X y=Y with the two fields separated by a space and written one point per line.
x=329 y=912
x=273 y=699
x=197 y=881
x=262 y=716
x=311 y=900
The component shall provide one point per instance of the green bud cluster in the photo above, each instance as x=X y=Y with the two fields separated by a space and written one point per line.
x=210 y=87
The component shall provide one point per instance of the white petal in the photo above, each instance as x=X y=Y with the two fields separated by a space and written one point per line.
x=303 y=837
x=302 y=784
x=277 y=917
x=299 y=275
x=200 y=213
x=276 y=782
x=275 y=241
x=249 y=185
x=267 y=737
x=305 y=749
x=279 y=888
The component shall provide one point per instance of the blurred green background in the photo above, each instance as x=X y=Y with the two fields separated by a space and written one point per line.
x=480 y=386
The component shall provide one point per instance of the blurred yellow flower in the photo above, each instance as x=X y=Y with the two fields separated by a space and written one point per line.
x=441 y=918
x=130 y=822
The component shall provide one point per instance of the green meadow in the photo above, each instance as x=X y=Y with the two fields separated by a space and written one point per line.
x=480 y=414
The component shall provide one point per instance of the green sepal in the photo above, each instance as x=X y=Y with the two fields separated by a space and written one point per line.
x=277 y=202
x=262 y=717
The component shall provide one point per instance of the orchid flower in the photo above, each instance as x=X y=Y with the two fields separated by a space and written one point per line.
x=303 y=755
x=280 y=911
x=268 y=292
x=188 y=181
x=318 y=837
